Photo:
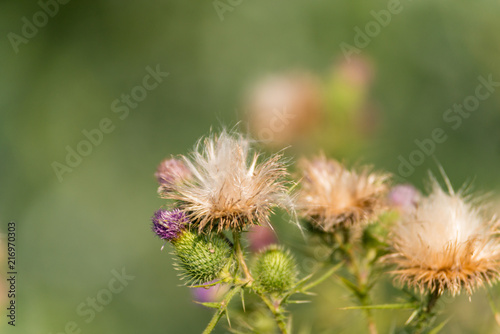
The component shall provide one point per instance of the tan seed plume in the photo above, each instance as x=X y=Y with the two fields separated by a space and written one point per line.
x=446 y=244
x=331 y=194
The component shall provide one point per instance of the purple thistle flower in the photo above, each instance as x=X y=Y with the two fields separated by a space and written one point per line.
x=169 y=225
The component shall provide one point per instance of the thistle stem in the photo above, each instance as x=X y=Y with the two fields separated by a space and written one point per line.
x=432 y=300
x=365 y=300
x=425 y=317
x=279 y=317
x=223 y=309
x=239 y=255
x=360 y=281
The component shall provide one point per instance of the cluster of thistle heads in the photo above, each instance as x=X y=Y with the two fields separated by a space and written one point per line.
x=442 y=242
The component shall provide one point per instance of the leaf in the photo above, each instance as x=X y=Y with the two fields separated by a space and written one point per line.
x=210 y=305
x=235 y=331
x=298 y=301
x=242 y=293
x=300 y=287
x=493 y=306
x=351 y=286
x=381 y=307
x=222 y=309
x=439 y=327
x=205 y=285
x=302 y=282
x=227 y=317
x=412 y=316
x=323 y=277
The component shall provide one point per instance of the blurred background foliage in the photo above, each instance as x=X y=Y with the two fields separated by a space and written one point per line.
x=72 y=234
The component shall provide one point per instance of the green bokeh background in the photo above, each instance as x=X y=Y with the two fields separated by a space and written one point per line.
x=72 y=234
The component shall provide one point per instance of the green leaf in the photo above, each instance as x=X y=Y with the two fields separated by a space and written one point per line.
x=412 y=316
x=222 y=309
x=242 y=294
x=210 y=305
x=439 y=327
x=298 y=301
x=323 y=277
x=381 y=307
x=351 y=286
x=302 y=282
x=206 y=285
x=493 y=307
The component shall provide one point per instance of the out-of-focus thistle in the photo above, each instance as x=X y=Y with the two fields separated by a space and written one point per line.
x=275 y=270
x=171 y=172
x=229 y=188
x=351 y=115
x=200 y=257
x=210 y=293
x=403 y=197
x=332 y=195
x=446 y=244
x=259 y=237
x=283 y=109
x=339 y=203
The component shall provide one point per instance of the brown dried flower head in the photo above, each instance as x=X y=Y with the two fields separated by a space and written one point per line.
x=332 y=195
x=446 y=244
x=229 y=187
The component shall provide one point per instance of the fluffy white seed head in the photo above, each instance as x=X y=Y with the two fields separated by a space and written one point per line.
x=331 y=194
x=230 y=187
x=445 y=243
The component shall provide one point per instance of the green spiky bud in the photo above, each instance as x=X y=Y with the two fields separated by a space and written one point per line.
x=202 y=257
x=274 y=270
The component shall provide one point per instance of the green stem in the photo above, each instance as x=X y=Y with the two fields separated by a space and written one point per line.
x=372 y=327
x=426 y=317
x=277 y=312
x=223 y=309
x=240 y=257
x=433 y=298
x=360 y=281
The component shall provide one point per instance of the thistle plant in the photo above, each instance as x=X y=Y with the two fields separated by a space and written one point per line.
x=446 y=244
x=338 y=204
x=443 y=243
x=215 y=195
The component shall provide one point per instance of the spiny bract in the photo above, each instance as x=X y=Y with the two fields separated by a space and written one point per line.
x=275 y=270
x=201 y=257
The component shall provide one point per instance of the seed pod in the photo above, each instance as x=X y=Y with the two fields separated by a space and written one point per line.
x=202 y=257
x=274 y=270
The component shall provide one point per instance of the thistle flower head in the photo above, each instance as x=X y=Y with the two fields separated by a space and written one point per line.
x=202 y=257
x=169 y=172
x=275 y=270
x=333 y=195
x=169 y=225
x=230 y=188
x=283 y=109
x=445 y=244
